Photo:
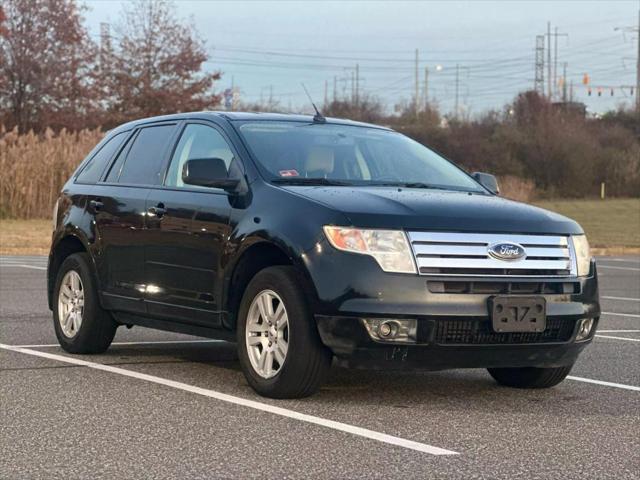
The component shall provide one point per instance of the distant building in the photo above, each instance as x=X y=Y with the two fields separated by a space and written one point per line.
x=577 y=108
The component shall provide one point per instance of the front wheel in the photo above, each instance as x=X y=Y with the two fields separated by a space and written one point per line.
x=280 y=351
x=530 y=377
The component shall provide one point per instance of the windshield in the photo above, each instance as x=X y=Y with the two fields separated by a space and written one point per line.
x=330 y=154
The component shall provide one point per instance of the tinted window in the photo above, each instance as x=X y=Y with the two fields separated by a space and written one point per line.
x=197 y=142
x=144 y=160
x=94 y=168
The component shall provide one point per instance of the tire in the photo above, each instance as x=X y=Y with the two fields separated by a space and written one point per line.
x=96 y=328
x=530 y=377
x=306 y=361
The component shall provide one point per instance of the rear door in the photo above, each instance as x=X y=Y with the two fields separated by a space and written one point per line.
x=119 y=208
x=187 y=227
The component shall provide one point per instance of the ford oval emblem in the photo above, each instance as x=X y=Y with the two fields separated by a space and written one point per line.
x=507 y=251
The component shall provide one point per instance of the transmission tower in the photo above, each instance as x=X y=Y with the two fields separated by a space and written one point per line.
x=538 y=85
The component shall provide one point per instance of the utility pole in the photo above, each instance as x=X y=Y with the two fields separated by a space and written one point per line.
x=326 y=93
x=417 y=92
x=549 y=60
x=637 y=88
x=357 y=85
x=335 y=88
x=426 y=88
x=457 y=90
x=638 y=70
x=555 y=56
x=353 y=86
x=538 y=84
x=564 y=83
x=571 y=91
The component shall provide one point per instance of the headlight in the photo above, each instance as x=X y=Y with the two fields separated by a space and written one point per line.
x=583 y=254
x=389 y=247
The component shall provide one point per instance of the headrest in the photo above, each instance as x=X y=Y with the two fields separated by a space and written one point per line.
x=320 y=161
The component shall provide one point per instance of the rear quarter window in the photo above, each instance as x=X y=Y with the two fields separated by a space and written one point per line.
x=144 y=162
x=92 y=171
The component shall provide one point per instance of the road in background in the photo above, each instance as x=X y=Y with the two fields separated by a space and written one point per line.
x=174 y=406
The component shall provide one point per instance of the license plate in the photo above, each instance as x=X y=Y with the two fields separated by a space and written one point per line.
x=518 y=314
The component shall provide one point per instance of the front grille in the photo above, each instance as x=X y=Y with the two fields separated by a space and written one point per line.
x=503 y=287
x=479 y=332
x=467 y=254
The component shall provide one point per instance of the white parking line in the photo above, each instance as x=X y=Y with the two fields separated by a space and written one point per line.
x=621 y=314
x=23 y=266
x=622 y=298
x=618 y=268
x=153 y=342
x=618 y=331
x=606 y=384
x=619 y=338
x=629 y=260
x=264 y=407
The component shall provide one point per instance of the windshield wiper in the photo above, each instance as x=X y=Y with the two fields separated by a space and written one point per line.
x=310 y=181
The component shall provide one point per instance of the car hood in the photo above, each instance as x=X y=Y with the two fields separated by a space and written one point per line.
x=424 y=209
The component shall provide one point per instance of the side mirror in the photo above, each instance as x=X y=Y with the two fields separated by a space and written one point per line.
x=488 y=181
x=208 y=172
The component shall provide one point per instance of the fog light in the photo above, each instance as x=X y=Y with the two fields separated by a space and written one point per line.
x=584 y=329
x=397 y=330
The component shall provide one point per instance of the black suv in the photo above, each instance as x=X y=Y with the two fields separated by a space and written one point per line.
x=306 y=239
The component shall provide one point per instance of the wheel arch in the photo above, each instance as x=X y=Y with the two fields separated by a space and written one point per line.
x=257 y=256
x=63 y=248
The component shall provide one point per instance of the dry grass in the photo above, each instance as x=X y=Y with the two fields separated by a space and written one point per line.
x=613 y=223
x=25 y=237
x=516 y=188
x=34 y=168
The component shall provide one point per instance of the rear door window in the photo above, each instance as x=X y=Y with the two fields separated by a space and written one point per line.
x=144 y=162
x=92 y=171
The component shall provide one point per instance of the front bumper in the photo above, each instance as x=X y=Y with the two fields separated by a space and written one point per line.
x=352 y=345
x=352 y=287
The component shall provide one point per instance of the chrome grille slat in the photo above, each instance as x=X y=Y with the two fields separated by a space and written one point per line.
x=487 y=238
x=454 y=253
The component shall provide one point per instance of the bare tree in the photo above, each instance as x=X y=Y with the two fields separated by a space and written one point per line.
x=156 y=67
x=45 y=65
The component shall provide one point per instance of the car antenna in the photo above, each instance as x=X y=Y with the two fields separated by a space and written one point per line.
x=317 y=118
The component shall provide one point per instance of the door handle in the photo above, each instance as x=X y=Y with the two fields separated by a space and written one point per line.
x=157 y=211
x=96 y=204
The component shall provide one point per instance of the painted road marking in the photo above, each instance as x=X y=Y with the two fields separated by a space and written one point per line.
x=622 y=298
x=151 y=342
x=606 y=384
x=622 y=314
x=264 y=407
x=618 y=331
x=23 y=266
x=619 y=268
x=619 y=338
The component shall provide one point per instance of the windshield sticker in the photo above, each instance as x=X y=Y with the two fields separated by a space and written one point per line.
x=289 y=173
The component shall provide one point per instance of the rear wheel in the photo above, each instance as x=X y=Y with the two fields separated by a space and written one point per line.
x=80 y=323
x=530 y=377
x=278 y=343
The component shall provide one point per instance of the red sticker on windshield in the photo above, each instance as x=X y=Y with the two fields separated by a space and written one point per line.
x=289 y=173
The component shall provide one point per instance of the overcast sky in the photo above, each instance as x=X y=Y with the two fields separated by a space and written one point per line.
x=273 y=46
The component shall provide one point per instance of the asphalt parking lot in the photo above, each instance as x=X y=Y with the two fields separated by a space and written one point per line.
x=160 y=405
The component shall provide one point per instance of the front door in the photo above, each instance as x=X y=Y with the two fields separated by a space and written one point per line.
x=187 y=227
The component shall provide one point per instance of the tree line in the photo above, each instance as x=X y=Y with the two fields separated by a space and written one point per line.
x=55 y=76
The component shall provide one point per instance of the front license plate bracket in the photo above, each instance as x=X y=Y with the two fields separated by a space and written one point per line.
x=518 y=314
